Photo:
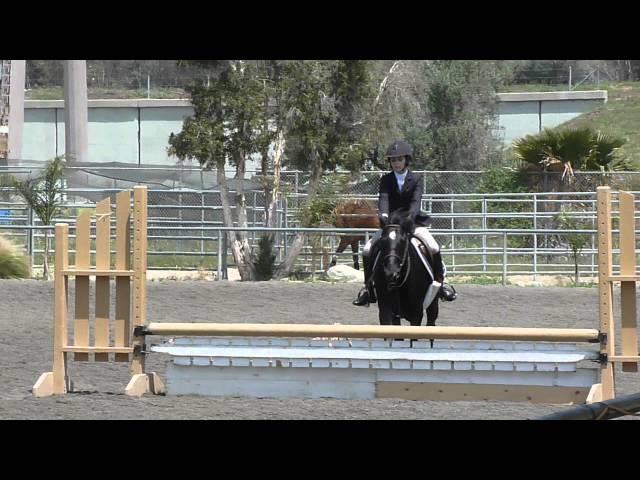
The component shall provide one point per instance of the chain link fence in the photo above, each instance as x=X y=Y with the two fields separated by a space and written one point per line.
x=183 y=219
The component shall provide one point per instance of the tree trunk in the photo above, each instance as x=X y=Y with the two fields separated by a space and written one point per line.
x=245 y=257
x=270 y=214
x=286 y=266
x=236 y=246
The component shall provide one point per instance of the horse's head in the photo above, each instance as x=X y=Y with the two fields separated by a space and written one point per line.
x=394 y=248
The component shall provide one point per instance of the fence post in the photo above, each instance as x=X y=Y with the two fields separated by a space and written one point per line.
x=535 y=237
x=453 y=245
x=286 y=225
x=504 y=259
x=202 y=217
x=219 y=262
x=225 y=274
x=484 y=235
x=30 y=241
x=593 y=239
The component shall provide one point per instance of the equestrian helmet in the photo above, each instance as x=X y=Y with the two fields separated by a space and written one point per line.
x=400 y=148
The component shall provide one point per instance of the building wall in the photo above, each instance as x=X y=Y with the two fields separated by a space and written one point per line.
x=137 y=131
x=528 y=113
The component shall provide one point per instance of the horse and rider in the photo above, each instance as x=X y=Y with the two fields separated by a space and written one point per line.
x=401 y=218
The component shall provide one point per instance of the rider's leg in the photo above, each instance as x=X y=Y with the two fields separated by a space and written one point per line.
x=367 y=294
x=447 y=292
x=439 y=269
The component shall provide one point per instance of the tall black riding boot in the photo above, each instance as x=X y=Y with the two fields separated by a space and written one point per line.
x=367 y=295
x=438 y=267
x=447 y=292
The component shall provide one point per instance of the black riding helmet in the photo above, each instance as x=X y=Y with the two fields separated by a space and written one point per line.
x=400 y=148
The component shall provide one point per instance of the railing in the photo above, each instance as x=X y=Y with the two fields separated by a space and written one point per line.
x=192 y=235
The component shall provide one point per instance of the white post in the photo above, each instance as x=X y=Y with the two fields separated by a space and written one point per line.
x=504 y=259
x=535 y=237
x=484 y=235
x=16 y=109
x=76 y=111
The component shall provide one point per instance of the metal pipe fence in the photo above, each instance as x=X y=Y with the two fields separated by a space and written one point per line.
x=480 y=234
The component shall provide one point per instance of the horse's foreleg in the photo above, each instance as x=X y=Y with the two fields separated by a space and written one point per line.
x=415 y=320
x=432 y=315
x=354 y=249
x=341 y=248
x=385 y=313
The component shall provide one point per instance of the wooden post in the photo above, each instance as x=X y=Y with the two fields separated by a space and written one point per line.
x=605 y=291
x=628 y=310
x=60 y=310
x=123 y=283
x=141 y=382
x=82 y=261
x=56 y=382
x=140 y=273
x=103 y=282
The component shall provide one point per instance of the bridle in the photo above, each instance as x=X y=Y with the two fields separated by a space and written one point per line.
x=404 y=260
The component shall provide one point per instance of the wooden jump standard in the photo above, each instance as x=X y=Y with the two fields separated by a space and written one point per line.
x=502 y=363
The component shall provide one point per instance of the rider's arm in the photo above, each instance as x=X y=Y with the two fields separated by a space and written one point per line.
x=383 y=200
x=416 y=197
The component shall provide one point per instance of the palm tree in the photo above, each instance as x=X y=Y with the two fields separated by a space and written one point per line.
x=569 y=149
x=43 y=194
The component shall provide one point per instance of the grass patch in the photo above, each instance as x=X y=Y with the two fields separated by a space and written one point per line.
x=57 y=93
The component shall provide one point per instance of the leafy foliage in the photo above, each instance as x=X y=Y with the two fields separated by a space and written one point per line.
x=12 y=264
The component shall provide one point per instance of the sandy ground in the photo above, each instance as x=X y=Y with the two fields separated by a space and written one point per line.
x=26 y=348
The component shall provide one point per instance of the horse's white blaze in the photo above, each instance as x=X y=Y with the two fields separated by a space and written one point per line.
x=392 y=235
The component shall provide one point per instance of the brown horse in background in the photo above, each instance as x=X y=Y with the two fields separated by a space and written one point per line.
x=354 y=214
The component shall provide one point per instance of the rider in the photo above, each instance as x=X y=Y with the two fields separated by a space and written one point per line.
x=401 y=189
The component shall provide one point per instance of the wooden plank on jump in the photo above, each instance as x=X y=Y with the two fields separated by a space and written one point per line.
x=452 y=392
x=123 y=284
x=103 y=262
x=93 y=272
x=82 y=261
x=373 y=331
x=120 y=350
x=605 y=290
x=624 y=278
x=628 y=312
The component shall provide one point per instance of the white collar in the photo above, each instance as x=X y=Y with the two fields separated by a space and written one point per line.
x=401 y=175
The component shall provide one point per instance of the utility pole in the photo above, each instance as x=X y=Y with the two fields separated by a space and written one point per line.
x=75 y=111
x=12 y=77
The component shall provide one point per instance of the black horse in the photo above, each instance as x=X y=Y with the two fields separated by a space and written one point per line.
x=401 y=279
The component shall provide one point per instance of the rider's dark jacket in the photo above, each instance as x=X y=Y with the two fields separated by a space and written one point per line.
x=392 y=199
